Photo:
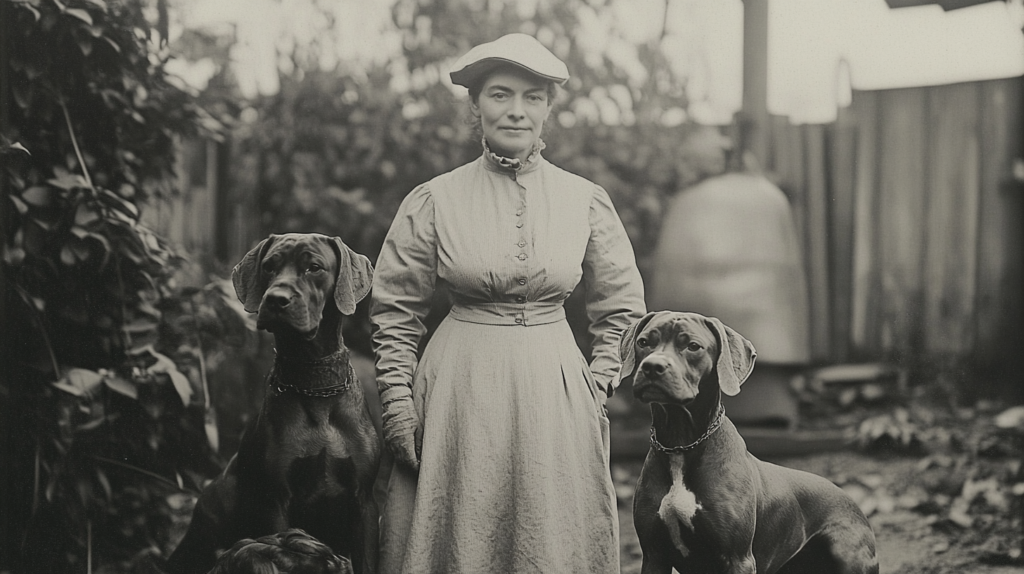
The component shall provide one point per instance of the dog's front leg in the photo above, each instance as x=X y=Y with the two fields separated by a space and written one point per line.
x=655 y=564
x=210 y=529
x=371 y=535
x=745 y=565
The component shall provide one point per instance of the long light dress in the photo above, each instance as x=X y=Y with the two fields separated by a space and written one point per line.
x=514 y=473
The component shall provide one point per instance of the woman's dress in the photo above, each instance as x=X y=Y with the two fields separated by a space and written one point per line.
x=514 y=472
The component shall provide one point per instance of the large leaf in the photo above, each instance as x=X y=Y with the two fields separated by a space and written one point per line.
x=105 y=483
x=112 y=44
x=164 y=365
x=67 y=256
x=18 y=147
x=80 y=14
x=140 y=326
x=23 y=94
x=66 y=180
x=83 y=233
x=38 y=196
x=19 y=203
x=118 y=202
x=85 y=214
x=212 y=434
x=226 y=291
x=85 y=45
x=13 y=256
x=79 y=382
x=121 y=385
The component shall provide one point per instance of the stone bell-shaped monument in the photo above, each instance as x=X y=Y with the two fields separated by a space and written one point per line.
x=729 y=248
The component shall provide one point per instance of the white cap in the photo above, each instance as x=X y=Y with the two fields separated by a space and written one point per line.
x=519 y=50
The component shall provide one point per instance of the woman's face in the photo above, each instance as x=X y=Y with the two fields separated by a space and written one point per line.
x=512 y=107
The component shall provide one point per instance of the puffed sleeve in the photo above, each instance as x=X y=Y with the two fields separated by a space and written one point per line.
x=614 y=288
x=403 y=284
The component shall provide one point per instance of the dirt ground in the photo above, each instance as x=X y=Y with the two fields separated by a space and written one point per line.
x=943 y=492
x=932 y=514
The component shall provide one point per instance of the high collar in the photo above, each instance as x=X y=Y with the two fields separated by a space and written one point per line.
x=512 y=166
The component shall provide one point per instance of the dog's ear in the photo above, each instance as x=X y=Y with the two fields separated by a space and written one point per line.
x=355 y=275
x=246 y=277
x=736 y=357
x=627 y=347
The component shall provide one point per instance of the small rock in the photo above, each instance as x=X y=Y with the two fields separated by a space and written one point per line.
x=872 y=392
x=872 y=481
x=1011 y=418
x=847 y=396
x=960 y=518
x=886 y=504
x=857 y=492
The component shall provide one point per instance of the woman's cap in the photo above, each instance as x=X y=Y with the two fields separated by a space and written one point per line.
x=519 y=50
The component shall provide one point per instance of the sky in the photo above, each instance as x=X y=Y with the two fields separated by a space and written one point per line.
x=817 y=49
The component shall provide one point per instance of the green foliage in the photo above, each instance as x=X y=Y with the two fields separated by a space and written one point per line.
x=336 y=151
x=102 y=411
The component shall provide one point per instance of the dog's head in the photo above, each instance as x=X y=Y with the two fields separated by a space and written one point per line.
x=668 y=355
x=288 y=280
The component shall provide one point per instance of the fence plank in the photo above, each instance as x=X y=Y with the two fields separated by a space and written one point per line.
x=999 y=310
x=900 y=215
x=797 y=190
x=782 y=155
x=864 y=340
x=841 y=214
x=786 y=167
x=816 y=244
x=952 y=219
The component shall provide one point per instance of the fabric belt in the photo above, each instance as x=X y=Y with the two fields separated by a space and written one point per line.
x=510 y=314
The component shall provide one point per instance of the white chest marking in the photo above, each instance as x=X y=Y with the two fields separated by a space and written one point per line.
x=679 y=505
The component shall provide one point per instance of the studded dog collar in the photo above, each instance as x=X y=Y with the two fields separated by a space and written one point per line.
x=325 y=377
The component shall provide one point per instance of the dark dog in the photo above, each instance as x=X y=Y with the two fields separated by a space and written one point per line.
x=705 y=504
x=310 y=458
x=289 y=552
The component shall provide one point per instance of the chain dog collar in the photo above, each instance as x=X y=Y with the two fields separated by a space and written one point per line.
x=680 y=449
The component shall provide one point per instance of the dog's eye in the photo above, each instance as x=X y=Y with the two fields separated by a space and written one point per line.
x=268 y=268
x=641 y=342
x=694 y=346
x=314 y=267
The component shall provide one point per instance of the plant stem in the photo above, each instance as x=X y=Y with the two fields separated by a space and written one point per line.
x=142 y=471
x=38 y=316
x=126 y=336
x=74 y=142
x=202 y=360
x=35 y=478
x=88 y=538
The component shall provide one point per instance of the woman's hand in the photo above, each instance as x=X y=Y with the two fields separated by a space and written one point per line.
x=402 y=432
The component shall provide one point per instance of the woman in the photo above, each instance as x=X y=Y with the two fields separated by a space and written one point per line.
x=499 y=432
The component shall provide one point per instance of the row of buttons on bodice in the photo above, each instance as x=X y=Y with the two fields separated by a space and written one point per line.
x=521 y=293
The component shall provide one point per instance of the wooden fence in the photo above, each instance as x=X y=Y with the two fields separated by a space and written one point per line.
x=910 y=214
x=912 y=226
x=205 y=220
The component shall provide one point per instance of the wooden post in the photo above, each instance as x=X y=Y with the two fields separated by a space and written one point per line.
x=755 y=78
x=8 y=546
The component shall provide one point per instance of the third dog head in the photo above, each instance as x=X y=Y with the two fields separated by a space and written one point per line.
x=670 y=355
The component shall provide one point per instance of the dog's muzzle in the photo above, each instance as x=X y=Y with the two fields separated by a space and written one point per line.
x=282 y=307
